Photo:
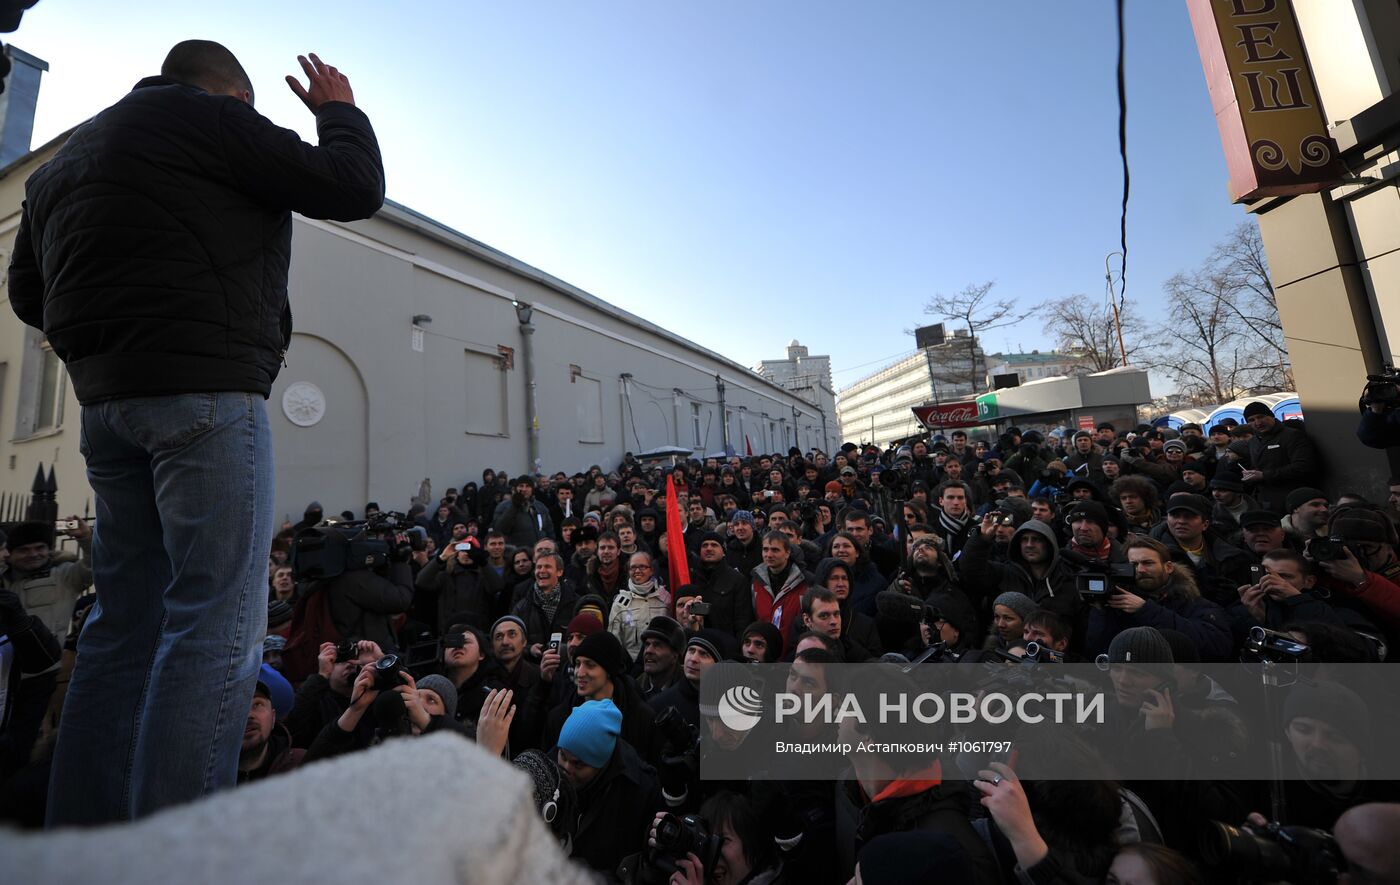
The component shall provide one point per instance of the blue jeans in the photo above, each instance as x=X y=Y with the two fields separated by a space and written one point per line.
x=169 y=657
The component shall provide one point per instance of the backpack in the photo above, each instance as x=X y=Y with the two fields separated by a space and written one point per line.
x=311 y=627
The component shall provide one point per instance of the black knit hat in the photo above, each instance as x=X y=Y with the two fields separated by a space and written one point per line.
x=712 y=536
x=666 y=630
x=1090 y=510
x=1256 y=408
x=717 y=643
x=604 y=649
x=1140 y=645
x=553 y=794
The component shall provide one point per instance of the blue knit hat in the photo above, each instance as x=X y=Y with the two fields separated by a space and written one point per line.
x=591 y=731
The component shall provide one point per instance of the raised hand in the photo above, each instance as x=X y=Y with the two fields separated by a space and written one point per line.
x=326 y=84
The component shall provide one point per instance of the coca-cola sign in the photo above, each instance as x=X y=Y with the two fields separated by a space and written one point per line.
x=947 y=415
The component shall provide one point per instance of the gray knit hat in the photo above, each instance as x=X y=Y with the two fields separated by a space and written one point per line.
x=1020 y=603
x=1140 y=645
x=1335 y=704
x=443 y=688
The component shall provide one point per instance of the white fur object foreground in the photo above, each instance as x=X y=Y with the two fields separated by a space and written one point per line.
x=422 y=810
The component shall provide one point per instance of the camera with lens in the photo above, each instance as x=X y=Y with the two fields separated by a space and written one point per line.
x=1263 y=644
x=386 y=673
x=1043 y=654
x=676 y=734
x=454 y=640
x=1301 y=855
x=807 y=510
x=677 y=836
x=1327 y=549
x=333 y=548
x=346 y=650
x=1001 y=517
x=1096 y=582
x=1382 y=389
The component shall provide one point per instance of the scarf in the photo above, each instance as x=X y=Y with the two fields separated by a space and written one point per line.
x=549 y=602
x=646 y=590
x=610 y=574
x=1100 y=553
x=952 y=526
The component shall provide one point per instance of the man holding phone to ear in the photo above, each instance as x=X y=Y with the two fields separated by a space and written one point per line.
x=153 y=252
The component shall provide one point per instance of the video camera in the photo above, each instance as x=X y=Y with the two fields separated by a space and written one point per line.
x=1268 y=645
x=1301 y=855
x=1096 y=581
x=1382 y=389
x=333 y=548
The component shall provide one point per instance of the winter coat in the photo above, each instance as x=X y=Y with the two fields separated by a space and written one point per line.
x=985 y=579
x=1179 y=607
x=365 y=604
x=637 y=716
x=153 y=248
x=538 y=624
x=50 y=592
x=744 y=557
x=616 y=811
x=778 y=599
x=1288 y=459
x=728 y=593
x=632 y=610
x=522 y=526
x=459 y=591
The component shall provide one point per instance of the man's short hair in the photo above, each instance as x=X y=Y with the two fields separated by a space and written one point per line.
x=609 y=535
x=953 y=484
x=495 y=534
x=1283 y=554
x=833 y=646
x=777 y=537
x=856 y=516
x=552 y=554
x=815 y=594
x=1056 y=625
x=1145 y=542
x=208 y=65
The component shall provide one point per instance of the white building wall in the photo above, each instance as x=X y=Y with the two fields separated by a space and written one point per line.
x=393 y=414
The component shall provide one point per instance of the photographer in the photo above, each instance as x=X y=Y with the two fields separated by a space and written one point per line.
x=1034 y=567
x=1363 y=571
x=400 y=708
x=722 y=587
x=326 y=693
x=1380 y=419
x=454 y=577
x=1164 y=596
x=1285 y=592
x=47 y=585
x=742 y=845
x=521 y=518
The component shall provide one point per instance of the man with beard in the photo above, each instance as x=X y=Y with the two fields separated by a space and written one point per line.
x=1164 y=595
x=267 y=745
x=605 y=572
x=722 y=586
x=663 y=643
x=521 y=518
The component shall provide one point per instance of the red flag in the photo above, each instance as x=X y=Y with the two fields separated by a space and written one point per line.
x=748 y=447
x=677 y=564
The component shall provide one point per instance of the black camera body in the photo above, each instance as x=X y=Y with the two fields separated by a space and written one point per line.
x=333 y=548
x=1001 y=517
x=346 y=650
x=1264 y=644
x=676 y=734
x=1382 y=389
x=807 y=510
x=386 y=673
x=1301 y=855
x=677 y=836
x=1327 y=549
x=1096 y=582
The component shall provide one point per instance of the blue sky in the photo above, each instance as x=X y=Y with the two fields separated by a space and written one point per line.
x=817 y=169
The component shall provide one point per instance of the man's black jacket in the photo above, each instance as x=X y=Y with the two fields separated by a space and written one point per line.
x=153 y=248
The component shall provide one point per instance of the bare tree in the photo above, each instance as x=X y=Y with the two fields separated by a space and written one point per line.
x=974 y=309
x=1248 y=294
x=1084 y=328
x=1225 y=333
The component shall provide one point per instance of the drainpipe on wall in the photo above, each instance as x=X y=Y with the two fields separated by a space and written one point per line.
x=723 y=417
x=524 y=313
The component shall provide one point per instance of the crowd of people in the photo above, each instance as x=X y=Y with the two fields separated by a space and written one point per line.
x=535 y=616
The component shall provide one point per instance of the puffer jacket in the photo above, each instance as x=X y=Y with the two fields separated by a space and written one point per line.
x=153 y=248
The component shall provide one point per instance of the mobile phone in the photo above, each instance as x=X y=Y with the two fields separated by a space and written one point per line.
x=1255 y=573
x=462 y=548
x=554 y=640
x=699 y=609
